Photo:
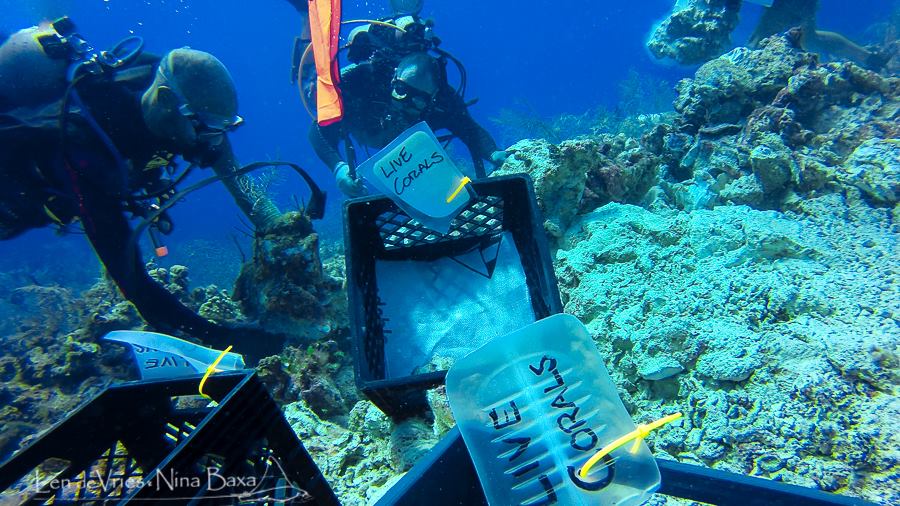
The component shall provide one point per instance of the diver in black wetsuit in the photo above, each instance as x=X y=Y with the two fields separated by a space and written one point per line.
x=89 y=136
x=785 y=15
x=393 y=83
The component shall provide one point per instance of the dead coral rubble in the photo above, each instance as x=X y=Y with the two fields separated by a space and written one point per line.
x=738 y=263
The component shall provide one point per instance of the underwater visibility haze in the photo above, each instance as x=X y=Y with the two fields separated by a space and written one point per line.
x=712 y=189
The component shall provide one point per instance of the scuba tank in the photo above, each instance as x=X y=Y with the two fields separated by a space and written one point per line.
x=85 y=63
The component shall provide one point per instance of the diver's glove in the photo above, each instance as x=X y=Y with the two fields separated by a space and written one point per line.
x=499 y=157
x=349 y=185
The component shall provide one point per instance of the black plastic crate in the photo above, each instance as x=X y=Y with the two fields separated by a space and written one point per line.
x=139 y=442
x=376 y=229
x=446 y=477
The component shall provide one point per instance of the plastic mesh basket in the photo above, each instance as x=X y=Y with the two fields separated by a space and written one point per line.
x=159 y=441
x=376 y=229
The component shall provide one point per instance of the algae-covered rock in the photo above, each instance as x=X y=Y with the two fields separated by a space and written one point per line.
x=745 y=190
x=355 y=462
x=624 y=172
x=440 y=408
x=659 y=368
x=695 y=31
x=729 y=88
x=285 y=287
x=874 y=168
x=559 y=174
x=587 y=171
x=773 y=164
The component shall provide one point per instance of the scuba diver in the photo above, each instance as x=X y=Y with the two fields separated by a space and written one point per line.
x=785 y=15
x=397 y=78
x=93 y=136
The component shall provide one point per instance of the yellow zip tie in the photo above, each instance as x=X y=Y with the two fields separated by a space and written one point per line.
x=462 y=184
x=637 y=435
x=211 y=369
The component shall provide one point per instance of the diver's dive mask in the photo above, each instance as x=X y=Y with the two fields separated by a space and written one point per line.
x=210 y=128
x=410 y=95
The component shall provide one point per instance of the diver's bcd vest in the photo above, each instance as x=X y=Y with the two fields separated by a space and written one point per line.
x=43 y=107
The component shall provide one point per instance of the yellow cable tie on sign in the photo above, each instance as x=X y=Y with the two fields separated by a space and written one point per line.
x=637 y=435
x=211 y=369
x=462 y=184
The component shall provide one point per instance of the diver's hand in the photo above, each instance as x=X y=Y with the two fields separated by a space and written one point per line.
x=349 y=185
x=499 y=157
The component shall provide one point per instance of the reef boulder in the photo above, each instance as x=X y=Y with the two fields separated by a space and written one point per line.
x=874 y=168
x=559 y=174
x=727 y=89
x=589 y=172
x=695 y=31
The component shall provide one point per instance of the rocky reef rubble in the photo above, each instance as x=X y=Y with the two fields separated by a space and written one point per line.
x=763 y=328
x=365 y=453
x=738 y=263
x=588 y=171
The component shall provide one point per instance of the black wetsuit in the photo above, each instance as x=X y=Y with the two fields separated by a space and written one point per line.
x=79 y=176
x=373 y=118
x=784 y=15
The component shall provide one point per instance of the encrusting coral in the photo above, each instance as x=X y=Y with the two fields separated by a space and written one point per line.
x=284 y=285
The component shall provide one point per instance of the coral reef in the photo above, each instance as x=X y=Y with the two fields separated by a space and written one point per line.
x=285 y=287
x=587 y=171
x=364 y=455
x=734 y=259
x=793 y=128
x=748 y=275
x=53 y=361
x=695 y=31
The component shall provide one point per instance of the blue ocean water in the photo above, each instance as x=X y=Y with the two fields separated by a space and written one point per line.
x=554 y=57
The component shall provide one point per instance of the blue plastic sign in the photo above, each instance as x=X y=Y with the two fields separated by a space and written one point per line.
x=417 y=174
x=533 y=406
x=160 y=356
